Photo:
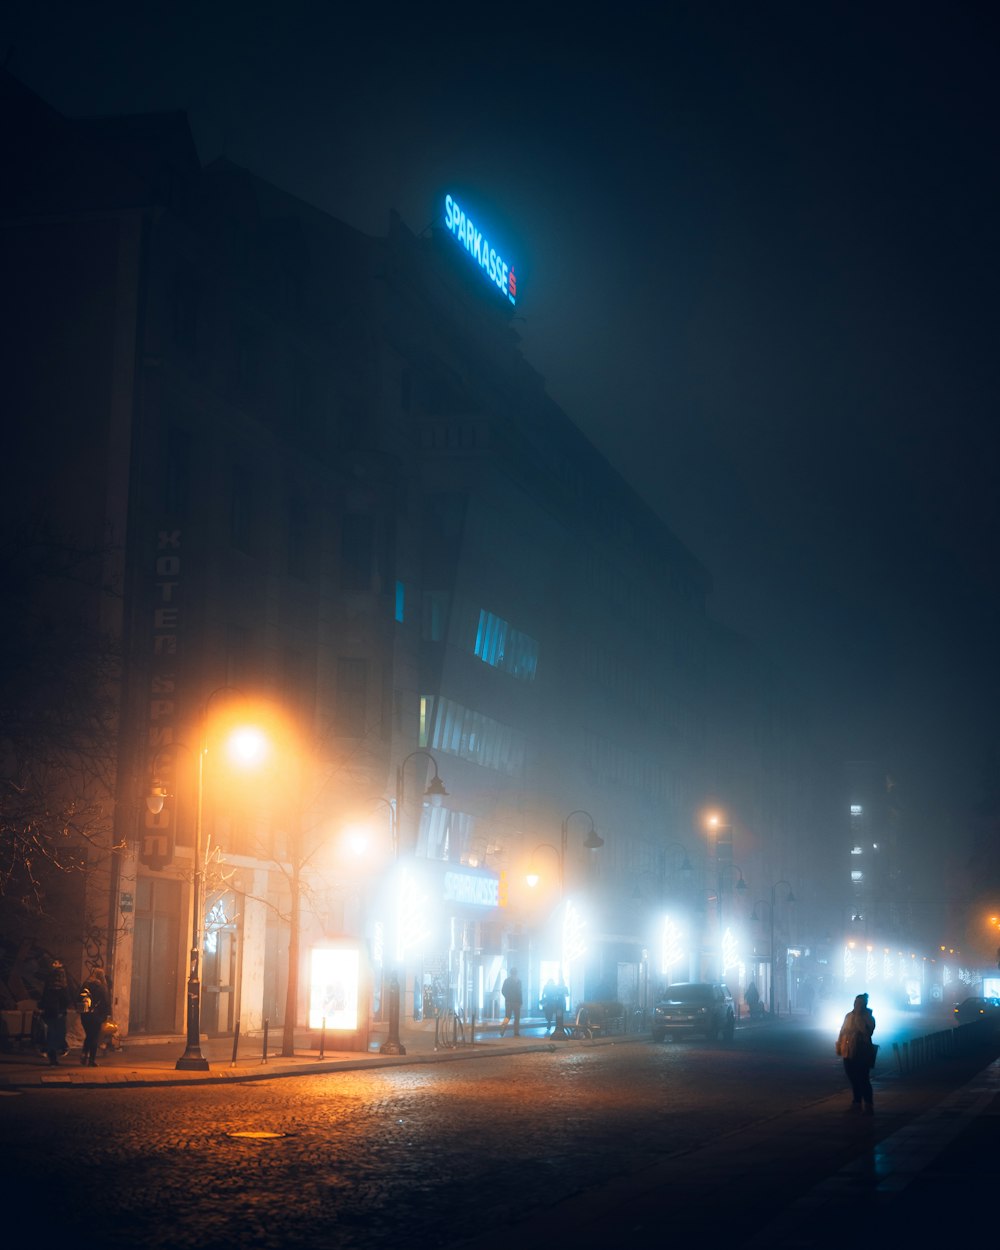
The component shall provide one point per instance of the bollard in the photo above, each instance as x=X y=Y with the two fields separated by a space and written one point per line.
x=236 y=1043
x=263 y=1057
x=472 y=1029
x=322 y=1039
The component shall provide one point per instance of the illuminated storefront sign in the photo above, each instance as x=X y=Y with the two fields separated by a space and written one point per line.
x=471 y=889
x=475 y=242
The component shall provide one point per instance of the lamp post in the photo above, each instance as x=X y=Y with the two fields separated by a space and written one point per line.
x=192 y=1059
x=789 y=899
x=592 y=842
x=434 y=790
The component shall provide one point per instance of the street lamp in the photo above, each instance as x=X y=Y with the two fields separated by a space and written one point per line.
x=592 y=842
x=249 y=743
x=790 y=898
x=434 y=790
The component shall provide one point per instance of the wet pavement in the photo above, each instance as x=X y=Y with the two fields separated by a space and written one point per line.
x=932 y=1174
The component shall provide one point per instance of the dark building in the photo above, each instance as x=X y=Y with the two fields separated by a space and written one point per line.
x=322 y=483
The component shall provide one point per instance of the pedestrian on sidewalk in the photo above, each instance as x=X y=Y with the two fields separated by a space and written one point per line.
x=856 y=1049
x=512 y=999
x=53 y=1006
x=96 y=1007
x=553 y=1000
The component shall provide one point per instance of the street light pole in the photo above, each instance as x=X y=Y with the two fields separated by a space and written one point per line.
x=592 y=842
x=789 y=899
x=435 y=790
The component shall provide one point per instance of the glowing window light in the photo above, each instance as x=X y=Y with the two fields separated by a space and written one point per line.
x=730 y=951
x=946 y=975
x=888 y=967
x=857 y=874
x=574 y=934
x=850 y=963
x=871 y=969
x=411 y=928
x=856 y=809
x=671 y=950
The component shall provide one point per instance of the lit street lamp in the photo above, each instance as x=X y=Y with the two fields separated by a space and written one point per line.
x=435 y=791
x=592 y=842
x=248 y=743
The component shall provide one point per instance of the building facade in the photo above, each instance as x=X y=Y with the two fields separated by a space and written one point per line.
x=331 y=488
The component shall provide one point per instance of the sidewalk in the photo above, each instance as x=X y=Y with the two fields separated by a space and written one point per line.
x=152 y=1061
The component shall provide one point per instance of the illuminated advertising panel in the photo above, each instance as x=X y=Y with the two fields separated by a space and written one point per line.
x=493 y=266
x=334 y=988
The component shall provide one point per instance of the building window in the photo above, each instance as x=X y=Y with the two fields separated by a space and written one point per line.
x=435 y=615
x=507 y=649
x=469 y=734
x=352 y=696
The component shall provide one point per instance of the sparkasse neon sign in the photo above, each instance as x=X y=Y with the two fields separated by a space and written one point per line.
x=477 y=245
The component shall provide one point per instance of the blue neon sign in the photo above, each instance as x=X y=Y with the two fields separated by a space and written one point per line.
x=489 y=260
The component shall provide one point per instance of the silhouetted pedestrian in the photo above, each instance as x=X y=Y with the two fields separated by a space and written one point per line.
x=856 y=1049
x=53 y=1005
x=512 y=999
x=553 y=1001
x=95 y=1009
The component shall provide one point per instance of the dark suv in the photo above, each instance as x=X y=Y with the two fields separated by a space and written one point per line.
x=695 y=1007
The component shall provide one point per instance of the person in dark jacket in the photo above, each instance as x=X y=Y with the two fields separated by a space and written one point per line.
x=855 y=1047
x=95 y=991
x=512 y=999
x=53 y=1005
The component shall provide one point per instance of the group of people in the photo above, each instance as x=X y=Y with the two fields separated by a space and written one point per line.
x=93 y=1003
x=552 y=1002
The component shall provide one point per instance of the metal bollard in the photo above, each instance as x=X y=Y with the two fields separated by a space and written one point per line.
x=263 y=1057
x=322 y=1039
x=472 y=1029
x=236 y=1043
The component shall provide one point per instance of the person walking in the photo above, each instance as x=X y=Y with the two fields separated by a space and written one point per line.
x=552 y=1001
x=512 y=999
x=95 y=1007
x=53 y=1005
x=856 y=1049
x=752 y=998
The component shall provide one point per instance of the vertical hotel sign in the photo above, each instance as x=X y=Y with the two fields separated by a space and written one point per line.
x=156 y=849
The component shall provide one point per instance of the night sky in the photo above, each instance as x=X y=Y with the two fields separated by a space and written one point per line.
x=757 y=263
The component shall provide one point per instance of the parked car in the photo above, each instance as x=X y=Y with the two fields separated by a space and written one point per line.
x=695 y=1008
x=977 y=1009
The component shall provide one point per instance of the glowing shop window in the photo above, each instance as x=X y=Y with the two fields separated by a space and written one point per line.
x=334 y=978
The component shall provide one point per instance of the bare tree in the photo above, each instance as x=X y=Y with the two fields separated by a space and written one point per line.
x=60 y=672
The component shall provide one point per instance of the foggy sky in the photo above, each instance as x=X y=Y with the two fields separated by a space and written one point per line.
x=757 y=264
